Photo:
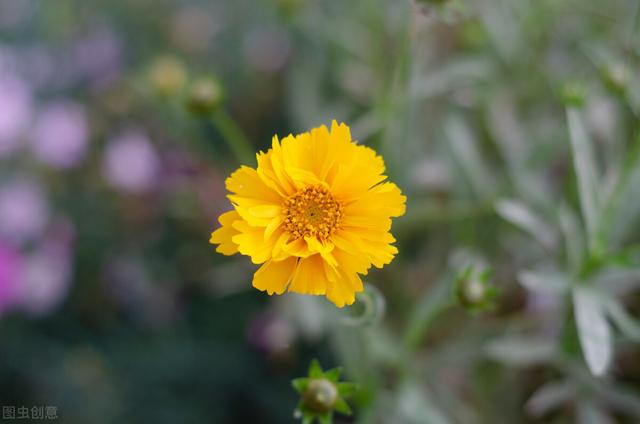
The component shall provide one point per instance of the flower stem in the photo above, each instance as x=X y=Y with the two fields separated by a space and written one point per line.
x=233 y=136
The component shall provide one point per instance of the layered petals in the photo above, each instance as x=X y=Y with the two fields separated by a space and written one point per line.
x=315 y=213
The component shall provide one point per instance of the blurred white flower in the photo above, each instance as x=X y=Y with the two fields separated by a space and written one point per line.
x=131 y=163
x=60 y=135
x=24 y=210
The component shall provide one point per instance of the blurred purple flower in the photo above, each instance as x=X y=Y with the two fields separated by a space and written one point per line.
x=271 y=333
x=23 y=211
x=15 y=112
x=131 y=163
x=98 y=57
x=47 y=272
x=10 y=277
x=60 y=135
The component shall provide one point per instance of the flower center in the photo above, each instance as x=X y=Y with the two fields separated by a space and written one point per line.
x=312 y=212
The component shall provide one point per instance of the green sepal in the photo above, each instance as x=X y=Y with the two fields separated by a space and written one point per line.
x=343 y=407
x=325 y=418
x=300 y=384
x=333 y=374
x=315 y=371
x=346 y=388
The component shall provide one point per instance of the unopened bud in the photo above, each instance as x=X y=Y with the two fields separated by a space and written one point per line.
x=573 y=94
x=167 y=75
x=320 y=395
x=615 y=78
x=474 y=291
x=204 y=97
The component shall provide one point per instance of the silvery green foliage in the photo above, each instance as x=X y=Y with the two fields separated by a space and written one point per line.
x=521 y=142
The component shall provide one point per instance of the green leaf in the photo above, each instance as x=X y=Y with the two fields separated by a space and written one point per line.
x=550 y=396
x=346 y=388
x=544 y=281
x=623 y=206
x=573 y=237
x=586 y=172
x=520 y=350
x=315 y=371
x=594 y=332
x=333 y=374
x=343 y=407
x=300 y=384
x=524 y=218
x=590 y=413
x=627 y=324
x=464 y=149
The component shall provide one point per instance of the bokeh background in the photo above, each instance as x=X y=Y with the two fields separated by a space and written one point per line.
x=114 y=307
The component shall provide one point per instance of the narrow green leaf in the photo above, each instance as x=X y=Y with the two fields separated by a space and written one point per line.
x=464 y=149
x=627 y=324
x=589 y=413
x=586 y=172
x=623 y=206
x=594 y=332
x=524 y=218
x=315 y=371
x=520 y=350
x=343 y=407
x=573 y=237
x=544 y=281
x=549 y=397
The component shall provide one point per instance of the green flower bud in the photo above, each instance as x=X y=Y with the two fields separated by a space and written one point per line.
x=473 y=290
x=204 y=97
x=320 y=395
x=616 y=78
x=573 y=94
x=167 y=75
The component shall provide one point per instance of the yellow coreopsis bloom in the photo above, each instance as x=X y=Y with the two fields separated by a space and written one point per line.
x=316 y=213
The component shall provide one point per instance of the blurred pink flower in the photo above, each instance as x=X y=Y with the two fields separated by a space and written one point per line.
x=47 y=272
x=10 y=276
x=60 y=135
x=23 y=211
x=131 y=163
x=15 y=112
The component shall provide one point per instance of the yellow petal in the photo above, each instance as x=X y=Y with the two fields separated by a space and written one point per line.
x=274 y=276
x=309 y=277
x=223 y=236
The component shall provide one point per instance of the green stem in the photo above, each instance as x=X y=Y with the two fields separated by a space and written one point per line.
x=233 y=135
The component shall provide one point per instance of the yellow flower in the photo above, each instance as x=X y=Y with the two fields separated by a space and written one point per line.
x=316 y=213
